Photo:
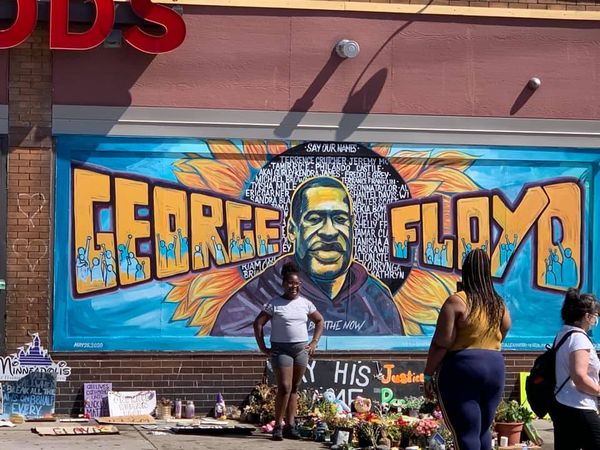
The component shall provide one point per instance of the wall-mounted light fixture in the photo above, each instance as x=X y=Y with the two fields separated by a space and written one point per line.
x=347 y=48
x=534 y=83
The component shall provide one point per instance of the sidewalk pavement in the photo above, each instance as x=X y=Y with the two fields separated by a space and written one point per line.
x=138 y=438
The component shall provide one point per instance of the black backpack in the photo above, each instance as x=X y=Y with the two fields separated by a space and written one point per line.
x=541 y=382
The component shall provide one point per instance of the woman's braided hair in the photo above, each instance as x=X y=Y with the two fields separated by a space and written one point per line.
x=477 y=284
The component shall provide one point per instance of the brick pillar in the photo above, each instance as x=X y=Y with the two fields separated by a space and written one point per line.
x=29 y=180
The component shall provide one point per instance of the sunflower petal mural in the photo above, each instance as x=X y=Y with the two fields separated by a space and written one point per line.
x=176 y=244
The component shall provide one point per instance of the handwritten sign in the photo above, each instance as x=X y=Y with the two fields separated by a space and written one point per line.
x=31 y=396
x=127 y=420
x=95 y=397
x=384 y=381
x=34 y=358
x=76 y=430
x=131 y=403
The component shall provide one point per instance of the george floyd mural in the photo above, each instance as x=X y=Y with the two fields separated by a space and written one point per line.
x=172 y=244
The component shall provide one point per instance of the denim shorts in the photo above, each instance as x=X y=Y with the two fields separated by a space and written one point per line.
x=289 y=354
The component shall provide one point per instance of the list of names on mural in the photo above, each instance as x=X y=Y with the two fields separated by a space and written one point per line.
x=370 y=182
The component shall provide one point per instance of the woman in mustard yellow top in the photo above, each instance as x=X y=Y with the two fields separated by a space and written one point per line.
x=464 y=359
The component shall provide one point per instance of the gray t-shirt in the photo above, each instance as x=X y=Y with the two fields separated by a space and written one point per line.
x=289 y=318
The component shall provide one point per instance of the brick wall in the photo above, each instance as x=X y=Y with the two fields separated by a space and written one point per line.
x=29 y=192
x=199 y=377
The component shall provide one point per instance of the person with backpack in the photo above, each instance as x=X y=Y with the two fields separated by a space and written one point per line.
x=575 y=409
x=464 y=358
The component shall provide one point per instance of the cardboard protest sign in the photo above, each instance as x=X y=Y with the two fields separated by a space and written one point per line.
x=385 y=381
x=31 y=396
x=127 y=420
x=131 y=403
x=76 y=430
x=34 y=358
x=95 y=398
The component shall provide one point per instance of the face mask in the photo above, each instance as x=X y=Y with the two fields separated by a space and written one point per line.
x=592 y=326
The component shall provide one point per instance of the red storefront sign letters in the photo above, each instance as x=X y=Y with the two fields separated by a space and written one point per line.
x=63 y=39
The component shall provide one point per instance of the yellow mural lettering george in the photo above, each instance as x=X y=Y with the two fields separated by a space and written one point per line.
x=90 y=244
x=129 y=196
x=268 y=236
x=207 y=214
x=123 y=237
x=170 y=228
x=239 y=241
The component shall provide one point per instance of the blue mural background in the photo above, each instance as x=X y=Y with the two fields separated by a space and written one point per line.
x=138 y=318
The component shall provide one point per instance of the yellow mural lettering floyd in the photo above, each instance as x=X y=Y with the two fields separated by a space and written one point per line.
x=551 y=214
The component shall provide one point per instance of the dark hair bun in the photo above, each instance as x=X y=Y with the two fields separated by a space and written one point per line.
x=577 y=305
x=289 y=268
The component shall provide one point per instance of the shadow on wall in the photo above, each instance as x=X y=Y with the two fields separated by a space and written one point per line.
x=523 y=98
x=359 y=103
x=362 y=100
x=304 y=103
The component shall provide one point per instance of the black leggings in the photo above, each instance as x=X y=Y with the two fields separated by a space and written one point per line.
x=574 y=428
x=470 y=384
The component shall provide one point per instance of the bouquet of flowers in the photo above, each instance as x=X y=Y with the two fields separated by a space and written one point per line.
x=260 y=405
x=423 y=431
x=406 y=428
x=368 y=433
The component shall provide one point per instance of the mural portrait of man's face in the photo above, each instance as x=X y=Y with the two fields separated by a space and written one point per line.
x=321 y=230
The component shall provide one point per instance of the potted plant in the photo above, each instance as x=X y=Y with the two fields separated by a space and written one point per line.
x=510 y=418
x=260 y=405
x=412 y=405
x=368 y=433
x=394 y=434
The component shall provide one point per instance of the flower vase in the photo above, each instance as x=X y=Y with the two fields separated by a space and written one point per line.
x=512 y=430
x=404 y=441
x=163 y=412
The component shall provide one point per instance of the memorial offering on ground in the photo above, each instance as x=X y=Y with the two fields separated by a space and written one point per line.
x=34 y=358
x=127 y=420
x=32 y=396
x=383 y=381
x=76 y=430
x=95 y=397
x=131 y=403
x=214 y=428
